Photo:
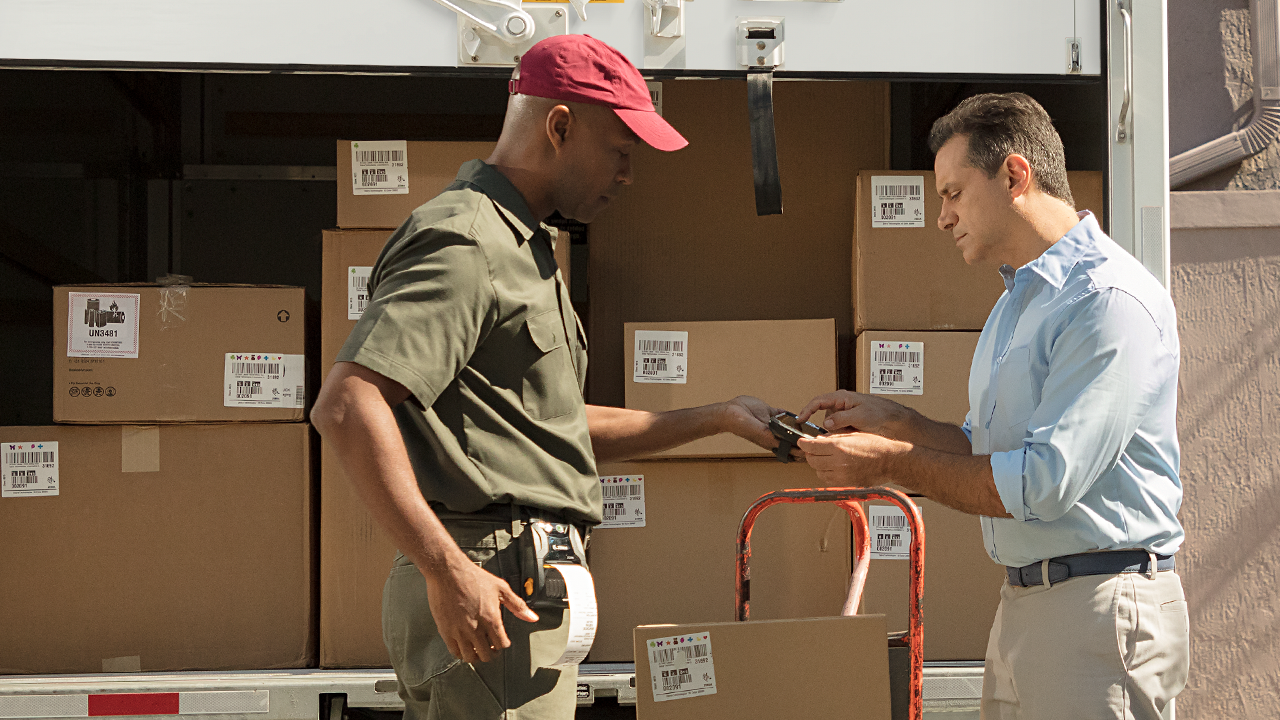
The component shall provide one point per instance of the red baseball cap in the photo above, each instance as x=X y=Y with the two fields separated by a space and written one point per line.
x=579 y=68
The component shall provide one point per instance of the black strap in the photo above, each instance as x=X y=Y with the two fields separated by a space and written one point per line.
x=764 y=146
x=1099 y=563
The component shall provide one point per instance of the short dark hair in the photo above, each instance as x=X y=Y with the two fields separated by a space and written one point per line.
x=1002 y=124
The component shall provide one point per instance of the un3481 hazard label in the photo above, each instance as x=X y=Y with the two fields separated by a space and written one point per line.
x=29 y=469
x=102 y=325
x=681 y=666
x=264 y=380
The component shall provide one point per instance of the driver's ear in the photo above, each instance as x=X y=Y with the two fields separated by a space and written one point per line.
x=559 y=121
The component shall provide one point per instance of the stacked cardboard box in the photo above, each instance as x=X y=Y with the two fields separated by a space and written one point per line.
x=917 y=310
x=167 y=523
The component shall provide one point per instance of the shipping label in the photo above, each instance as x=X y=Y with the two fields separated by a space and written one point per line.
x=890 y=534
x=662 y=356
x=264 y=380
x=897 y=201
x=357 y=290
x=380 y=167
x=623 y=501
x=681 y=667
x=102 y=325
x=897 y=368
x=30 y=469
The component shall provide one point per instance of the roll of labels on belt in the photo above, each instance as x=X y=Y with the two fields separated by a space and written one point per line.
x=788 y=429
x=554 y=576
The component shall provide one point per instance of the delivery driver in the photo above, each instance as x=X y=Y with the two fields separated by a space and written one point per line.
x=1069 y=451
x=456 y=404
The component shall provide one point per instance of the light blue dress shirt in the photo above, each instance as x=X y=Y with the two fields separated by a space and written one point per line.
x=1073 y=393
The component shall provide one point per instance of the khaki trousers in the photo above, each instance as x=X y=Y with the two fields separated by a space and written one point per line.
x=514 y=685
x=1097 y=646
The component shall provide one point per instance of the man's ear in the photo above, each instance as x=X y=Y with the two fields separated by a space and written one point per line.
x=1019 y=172
x=560 y=121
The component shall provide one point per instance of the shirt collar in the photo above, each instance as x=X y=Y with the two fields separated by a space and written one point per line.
x=504 y=195
x=1055 y=263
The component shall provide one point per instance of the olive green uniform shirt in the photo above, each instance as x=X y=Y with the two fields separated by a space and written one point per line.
x=468 y=312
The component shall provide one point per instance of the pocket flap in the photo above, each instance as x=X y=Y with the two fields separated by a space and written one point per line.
x=546 y=330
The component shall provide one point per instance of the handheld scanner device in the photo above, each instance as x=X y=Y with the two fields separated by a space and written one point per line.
x=544 y=545
x=788 y=429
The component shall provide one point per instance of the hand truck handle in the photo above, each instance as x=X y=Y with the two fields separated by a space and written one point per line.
x=850 y=499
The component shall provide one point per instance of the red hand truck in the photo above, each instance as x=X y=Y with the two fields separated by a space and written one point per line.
x=851 y=499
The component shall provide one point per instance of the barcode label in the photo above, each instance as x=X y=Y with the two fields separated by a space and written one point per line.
x=896 y=368
x=357 y=290
x=897 y=201
x=890 y=534
x=681 y=666
x=28 y=469
x=264 y=380
x=255 y=368
x=661 y=356
x=655 y=94
x=380 y=167
x=623 y=497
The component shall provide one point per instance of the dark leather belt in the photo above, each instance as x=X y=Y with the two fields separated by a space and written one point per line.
x=1099 y=563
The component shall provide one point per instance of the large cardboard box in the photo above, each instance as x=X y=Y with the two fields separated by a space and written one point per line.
x=679 y=567
x=684 y=241
x=961 y=586
x=142 y=353
x=938 y=291
x=831 y=667
x=432 y=167
x=170 y=547
x=784 y=362
x=355 y=555
x=944 y=377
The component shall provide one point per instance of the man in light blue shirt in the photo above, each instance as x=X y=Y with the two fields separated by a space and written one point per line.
x=1069 y=452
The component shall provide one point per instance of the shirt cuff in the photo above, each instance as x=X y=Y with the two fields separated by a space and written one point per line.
x=1007 y=468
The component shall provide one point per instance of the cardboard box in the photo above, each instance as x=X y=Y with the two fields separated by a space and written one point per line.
x=141 y=353
x=777 y=670
x=684 y=241
x=784 y=362
x=940 y=291
x=679 y=567
x=432 y=167
x=961 y=586
x=355 y=556
x=171 y=547
x=947 y=359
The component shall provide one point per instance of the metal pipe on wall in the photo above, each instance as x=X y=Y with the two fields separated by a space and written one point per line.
x=1264 y=125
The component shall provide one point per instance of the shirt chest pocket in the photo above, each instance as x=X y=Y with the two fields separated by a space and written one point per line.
x=1014 y=401
x=550 y=387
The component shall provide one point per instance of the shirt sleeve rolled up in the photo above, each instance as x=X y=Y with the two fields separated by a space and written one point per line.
x=1105 y=370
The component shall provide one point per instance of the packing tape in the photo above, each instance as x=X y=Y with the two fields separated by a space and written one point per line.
x=583 y=614
x=139 y=448
x=126 y=664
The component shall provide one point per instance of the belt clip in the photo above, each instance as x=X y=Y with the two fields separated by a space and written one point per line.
x=1044 y=574
x=1151 y=569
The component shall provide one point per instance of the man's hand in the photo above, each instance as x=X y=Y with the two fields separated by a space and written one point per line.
x=852 y=459
x=466 y=602
x=748 y=418
x=855 y=411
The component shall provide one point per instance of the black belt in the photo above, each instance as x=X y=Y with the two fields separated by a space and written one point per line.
x=1098 y=563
